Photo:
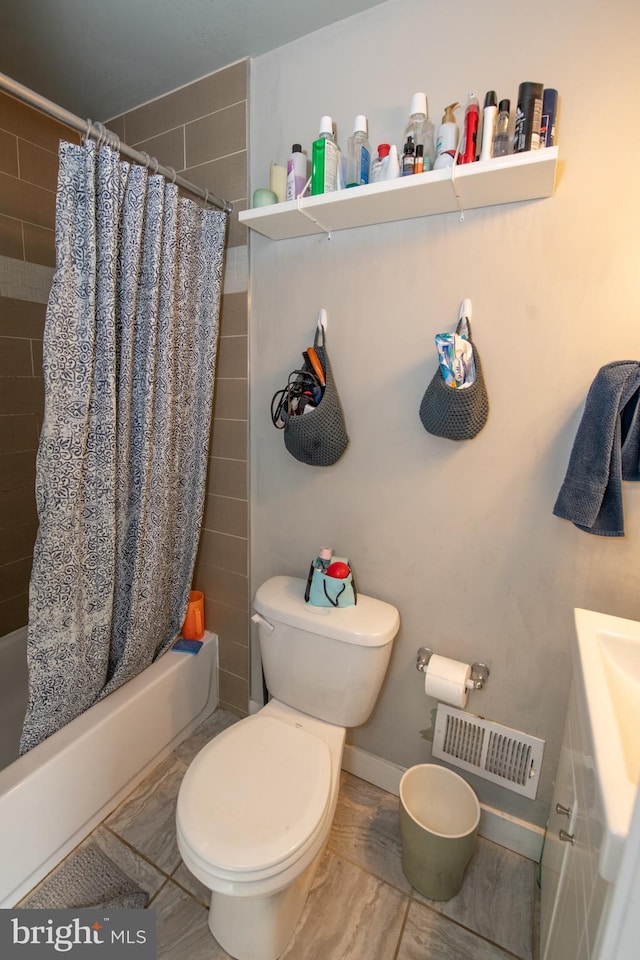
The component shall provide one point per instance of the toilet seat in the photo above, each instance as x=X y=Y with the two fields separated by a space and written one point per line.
x=254 y=799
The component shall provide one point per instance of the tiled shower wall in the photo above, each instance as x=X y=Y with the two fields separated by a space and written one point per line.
x=200 y=131
x=28 y=174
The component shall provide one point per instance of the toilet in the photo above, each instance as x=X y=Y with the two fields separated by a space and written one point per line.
x=256 y=805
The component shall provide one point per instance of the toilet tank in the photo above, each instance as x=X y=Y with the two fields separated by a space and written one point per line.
x=326 y=662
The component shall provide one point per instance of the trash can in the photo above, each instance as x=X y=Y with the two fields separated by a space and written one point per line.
x=439 y=816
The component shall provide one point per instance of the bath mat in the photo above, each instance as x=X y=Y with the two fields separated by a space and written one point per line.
x=88 y=878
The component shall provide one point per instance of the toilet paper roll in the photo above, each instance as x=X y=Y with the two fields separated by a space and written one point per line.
x=446 y=680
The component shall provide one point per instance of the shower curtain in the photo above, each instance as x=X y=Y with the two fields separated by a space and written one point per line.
x=129 y=353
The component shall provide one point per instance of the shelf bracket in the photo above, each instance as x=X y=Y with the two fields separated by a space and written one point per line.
x=455 y=188
x=308 y=215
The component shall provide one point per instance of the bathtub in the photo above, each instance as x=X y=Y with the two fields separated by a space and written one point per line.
x=55 y=794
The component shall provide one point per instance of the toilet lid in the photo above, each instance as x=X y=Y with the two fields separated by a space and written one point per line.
x=255 y=794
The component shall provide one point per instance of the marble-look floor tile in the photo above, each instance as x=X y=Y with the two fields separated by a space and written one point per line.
x=147 y=818
x=366 y=830
x=430 y=936
x=349 y=915
x=182 y=929
x=496 y=898
x=218 y=721
x=192 y=885
x=142 y=873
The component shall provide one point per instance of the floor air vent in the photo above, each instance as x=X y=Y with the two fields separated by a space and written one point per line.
x=488 y=749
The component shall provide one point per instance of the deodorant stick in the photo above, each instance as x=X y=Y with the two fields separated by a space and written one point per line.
x=528 y=117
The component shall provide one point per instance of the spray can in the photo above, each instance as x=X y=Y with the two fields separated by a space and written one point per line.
x=470 y=134
x=528 y=117
x=489 y=116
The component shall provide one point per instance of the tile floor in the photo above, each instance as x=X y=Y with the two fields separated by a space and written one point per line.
x=360 y=906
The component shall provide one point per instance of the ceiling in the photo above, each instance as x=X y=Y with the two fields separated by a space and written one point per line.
x=99 y=58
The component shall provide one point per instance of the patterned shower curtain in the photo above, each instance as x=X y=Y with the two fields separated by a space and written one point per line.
x=129 y=353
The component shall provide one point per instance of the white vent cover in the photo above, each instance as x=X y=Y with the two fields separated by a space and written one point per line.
x=488 y=749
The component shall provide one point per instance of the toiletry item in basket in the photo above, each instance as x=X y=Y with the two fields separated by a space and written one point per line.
x=455 y=356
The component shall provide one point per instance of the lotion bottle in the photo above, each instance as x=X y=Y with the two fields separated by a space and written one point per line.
x=447 y=139
x=296 y=172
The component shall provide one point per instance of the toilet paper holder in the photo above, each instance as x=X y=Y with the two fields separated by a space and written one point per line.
x=479 y=671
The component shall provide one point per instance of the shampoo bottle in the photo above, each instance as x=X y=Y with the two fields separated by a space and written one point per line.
x=358 y=154
x=325 y=160
x=470 y=134
x=447 y=139
x=296 y=172
x=420 y=128
x=489 y=116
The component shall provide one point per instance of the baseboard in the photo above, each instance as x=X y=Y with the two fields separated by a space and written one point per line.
x=510 y=832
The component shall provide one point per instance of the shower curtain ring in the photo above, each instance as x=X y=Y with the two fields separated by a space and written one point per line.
x=206 y=199
x=174 y=175
x=87 y=135
x=156 y=165
x=115 y=141
x=147 y=159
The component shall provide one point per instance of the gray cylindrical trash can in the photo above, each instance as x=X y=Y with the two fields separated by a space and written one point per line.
x=439 y=816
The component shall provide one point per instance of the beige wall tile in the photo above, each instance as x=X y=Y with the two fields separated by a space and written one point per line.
x=21 y=318
x=216 y=135
x=14 y=578
x=228 y=439
x=232 y=357
x=38 y=165
x=233 y=691
x=233 y=657
x=36 y=357
x=230 y=399
x=39 y=245
x=8 y=153
x=17 y=507
x=15 y=357
x=226 y=515
x=238 y=234
x=19 y=432
x=11 y=238
x=228 y=622
x=14 y=613
x=168 y=148
x=227 y=478
x=30 y=124
x=24 y=201
x=234 y=315
x=222 y=586
x=224 y=551
x=16 y=543
x=182 y=106
x=17 y=470
x=21 y=395
x=226 y=177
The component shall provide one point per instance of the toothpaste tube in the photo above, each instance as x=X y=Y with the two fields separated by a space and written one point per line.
x=455 y=356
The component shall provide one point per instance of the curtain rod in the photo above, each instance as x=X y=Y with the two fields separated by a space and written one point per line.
x=98 y=131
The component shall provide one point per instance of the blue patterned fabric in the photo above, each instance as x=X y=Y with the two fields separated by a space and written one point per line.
x=129 y=355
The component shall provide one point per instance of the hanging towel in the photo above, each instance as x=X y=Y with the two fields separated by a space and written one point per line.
x=606 y=451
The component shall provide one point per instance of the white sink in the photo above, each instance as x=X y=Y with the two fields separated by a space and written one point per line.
x=609 y=658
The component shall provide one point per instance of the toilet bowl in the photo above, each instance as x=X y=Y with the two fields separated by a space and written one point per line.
x=256 y=805
x=254 y=814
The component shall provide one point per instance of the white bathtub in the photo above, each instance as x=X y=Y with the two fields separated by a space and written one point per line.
x=55 y=794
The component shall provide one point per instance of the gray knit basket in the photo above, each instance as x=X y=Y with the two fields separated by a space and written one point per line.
x=318 y=438
x=453 y=413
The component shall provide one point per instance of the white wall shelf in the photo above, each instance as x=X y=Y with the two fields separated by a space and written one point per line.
x=485 y=183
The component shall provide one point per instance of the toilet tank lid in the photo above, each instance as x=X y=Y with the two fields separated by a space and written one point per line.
x=370 y=623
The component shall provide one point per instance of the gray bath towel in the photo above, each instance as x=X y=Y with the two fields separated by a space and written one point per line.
x=605 y=452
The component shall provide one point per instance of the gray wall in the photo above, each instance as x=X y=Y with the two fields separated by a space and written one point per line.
x=460 y=537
